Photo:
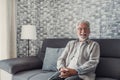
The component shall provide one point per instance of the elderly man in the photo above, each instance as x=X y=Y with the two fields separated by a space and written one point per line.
x=80 y=57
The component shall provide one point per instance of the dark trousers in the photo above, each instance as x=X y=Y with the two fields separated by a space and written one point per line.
x=56 y=77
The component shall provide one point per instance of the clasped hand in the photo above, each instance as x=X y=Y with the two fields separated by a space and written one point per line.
x=67 y=72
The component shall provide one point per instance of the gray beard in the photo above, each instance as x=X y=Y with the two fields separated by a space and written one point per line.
x=82 y=39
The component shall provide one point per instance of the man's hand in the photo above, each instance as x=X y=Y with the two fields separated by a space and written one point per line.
x=64 y=73
x=72 y=71
x=67 y=72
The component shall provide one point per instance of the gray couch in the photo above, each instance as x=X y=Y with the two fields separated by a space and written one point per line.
x=29 y=68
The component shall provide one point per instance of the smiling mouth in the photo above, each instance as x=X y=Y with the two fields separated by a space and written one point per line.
x=83 y=34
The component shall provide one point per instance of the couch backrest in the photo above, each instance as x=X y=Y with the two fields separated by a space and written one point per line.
x=110 y=55
x=109 y=65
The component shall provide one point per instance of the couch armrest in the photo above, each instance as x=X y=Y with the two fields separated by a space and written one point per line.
x=15 y=65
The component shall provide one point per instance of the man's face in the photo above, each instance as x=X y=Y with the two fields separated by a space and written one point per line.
x=83 y=31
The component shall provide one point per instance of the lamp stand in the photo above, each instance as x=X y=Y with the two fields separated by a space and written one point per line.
x=28 y=48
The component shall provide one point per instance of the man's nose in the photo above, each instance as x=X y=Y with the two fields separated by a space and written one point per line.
x=82 y=31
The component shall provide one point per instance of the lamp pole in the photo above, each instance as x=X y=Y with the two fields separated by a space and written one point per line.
x=28 y=48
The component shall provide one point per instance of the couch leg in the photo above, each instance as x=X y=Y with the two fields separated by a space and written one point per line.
x=5 y=75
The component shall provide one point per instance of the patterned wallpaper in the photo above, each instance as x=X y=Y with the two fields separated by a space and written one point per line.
x=58 y=18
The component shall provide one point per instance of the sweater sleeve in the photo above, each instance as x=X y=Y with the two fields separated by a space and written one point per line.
x=61 y=62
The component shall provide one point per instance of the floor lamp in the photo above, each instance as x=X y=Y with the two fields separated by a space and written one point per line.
x=28 y=32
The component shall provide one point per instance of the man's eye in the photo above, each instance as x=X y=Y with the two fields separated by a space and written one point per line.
x=82 y=28
x=79 y=29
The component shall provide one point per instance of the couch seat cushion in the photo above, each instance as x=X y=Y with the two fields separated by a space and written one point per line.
x=42 y=76
x=33 y=75
x=105 y=79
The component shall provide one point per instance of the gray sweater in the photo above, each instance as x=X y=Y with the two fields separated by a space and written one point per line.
x=84 y=58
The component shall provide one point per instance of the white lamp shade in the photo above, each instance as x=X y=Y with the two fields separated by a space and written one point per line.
x=28 y=32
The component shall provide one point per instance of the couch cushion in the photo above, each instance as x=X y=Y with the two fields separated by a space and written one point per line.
x=15 y=65
x=42 y=76
x=109 y=47
x=32 y=74
x=109 y=67
x=51 y=56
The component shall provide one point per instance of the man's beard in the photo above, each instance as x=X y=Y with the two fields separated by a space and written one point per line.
x=82 y=38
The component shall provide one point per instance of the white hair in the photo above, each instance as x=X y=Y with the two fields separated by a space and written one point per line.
x=85 y=22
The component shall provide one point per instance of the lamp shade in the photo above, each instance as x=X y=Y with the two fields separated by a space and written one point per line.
x=28 y=32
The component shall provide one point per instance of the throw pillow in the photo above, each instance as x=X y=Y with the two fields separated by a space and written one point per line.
x=51 y=56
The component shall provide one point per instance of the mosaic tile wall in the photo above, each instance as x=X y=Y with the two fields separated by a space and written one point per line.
x=58 y=18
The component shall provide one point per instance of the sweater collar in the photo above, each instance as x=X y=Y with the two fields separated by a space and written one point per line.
x=85 y=41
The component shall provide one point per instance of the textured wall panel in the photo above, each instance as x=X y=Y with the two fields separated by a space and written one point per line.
x=58 y=18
